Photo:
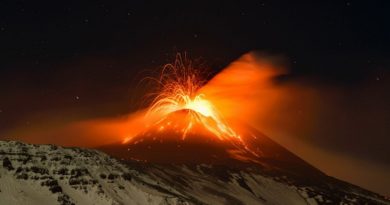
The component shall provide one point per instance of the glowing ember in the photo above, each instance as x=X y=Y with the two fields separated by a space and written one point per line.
x=179 y=91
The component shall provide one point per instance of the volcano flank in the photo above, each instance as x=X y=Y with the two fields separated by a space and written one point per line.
x=183 y=137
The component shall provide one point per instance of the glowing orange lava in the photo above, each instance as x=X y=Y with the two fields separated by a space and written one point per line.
x=179 y=91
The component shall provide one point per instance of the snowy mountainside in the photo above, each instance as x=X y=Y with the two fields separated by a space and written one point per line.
x=47 y=174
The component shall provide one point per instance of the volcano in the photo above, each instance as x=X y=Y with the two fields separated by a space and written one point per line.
x=184 y=137
x=249 y=168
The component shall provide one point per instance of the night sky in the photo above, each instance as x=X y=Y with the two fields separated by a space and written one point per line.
x=76 y=60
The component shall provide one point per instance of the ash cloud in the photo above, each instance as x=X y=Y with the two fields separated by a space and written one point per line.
x=341 y=129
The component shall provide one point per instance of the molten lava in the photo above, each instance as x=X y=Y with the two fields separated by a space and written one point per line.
x=179 y=91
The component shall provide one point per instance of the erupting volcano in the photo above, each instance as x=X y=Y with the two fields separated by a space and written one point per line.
x=190 y=146
x=189 y=143
x=185 y=126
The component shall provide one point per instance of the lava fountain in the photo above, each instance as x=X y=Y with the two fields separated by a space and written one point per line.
x=180 y=84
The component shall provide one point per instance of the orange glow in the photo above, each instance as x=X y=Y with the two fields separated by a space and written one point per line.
x=245 y=89
x=242 y=91
x=179 y=91
x=202 y=113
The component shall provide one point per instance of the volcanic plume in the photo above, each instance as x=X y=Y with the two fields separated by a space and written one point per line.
x=184 y=125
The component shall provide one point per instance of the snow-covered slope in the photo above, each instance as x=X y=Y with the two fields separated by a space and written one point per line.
x=47 y=174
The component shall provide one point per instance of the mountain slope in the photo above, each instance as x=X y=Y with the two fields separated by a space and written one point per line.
x=47 y=174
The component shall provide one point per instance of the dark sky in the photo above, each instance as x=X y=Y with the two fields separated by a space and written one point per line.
x=79 y=59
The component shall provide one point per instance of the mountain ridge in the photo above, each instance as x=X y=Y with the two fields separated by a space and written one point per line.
x=48 y=174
